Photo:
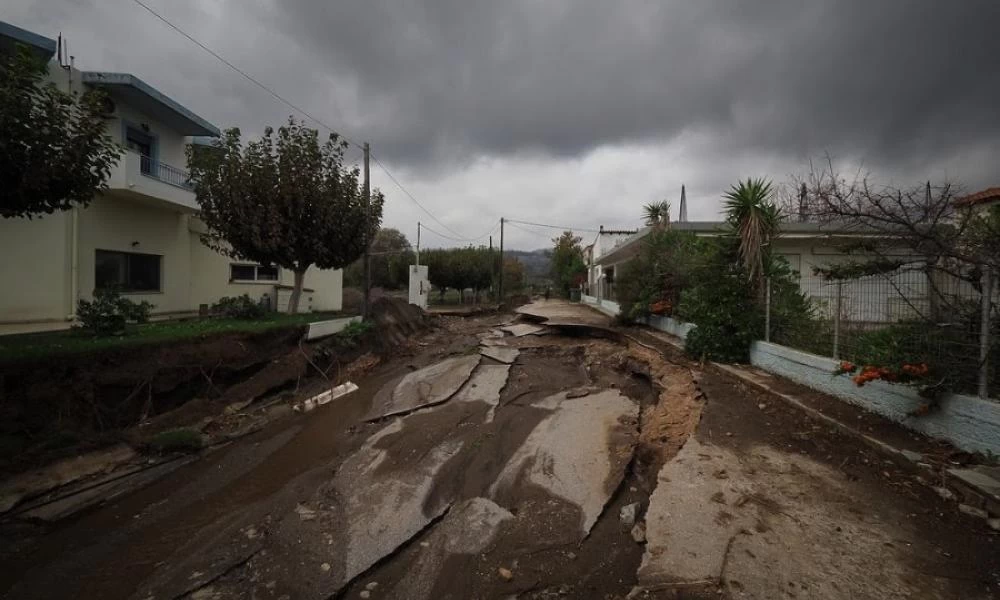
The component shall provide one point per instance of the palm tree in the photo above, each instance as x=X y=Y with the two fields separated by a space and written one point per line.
x=657 y=214
x=755 y=220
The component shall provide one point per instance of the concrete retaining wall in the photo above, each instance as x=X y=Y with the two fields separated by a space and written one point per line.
x=321 y=329
x=669 y=325
x=605 y=306
x=970 y=423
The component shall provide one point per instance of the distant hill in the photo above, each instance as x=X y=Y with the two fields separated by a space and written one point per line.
x=537 y=263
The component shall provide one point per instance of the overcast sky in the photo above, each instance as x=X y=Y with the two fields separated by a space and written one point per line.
x=577 y=112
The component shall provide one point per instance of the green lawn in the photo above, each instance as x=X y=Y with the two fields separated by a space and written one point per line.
x=53 y=343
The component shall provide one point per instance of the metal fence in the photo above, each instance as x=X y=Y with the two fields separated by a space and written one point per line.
x=907 y=316
x=166 y=173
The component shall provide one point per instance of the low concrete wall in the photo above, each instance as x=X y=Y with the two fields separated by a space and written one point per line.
x=605 y=306
x=321 y=329
x=970 y=423
x=668 y=325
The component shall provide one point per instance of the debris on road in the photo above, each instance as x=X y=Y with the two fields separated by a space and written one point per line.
x=627 y=514
x=325 y=397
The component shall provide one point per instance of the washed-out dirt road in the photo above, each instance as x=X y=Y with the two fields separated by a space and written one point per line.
x=501 y=459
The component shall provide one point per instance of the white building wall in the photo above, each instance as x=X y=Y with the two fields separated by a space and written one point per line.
x=210 y=280
x=130 y=226
x=34 y=266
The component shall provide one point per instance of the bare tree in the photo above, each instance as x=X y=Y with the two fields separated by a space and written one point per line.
x=922 y=227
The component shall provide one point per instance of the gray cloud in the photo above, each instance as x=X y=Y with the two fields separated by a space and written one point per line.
x=579 y=111
x=885 y=79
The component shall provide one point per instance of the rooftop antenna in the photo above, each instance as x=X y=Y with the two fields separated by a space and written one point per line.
x=682 y=216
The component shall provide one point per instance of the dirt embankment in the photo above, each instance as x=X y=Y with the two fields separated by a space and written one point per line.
x=51 y=408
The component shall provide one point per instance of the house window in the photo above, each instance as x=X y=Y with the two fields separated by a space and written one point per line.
x=127 y=271
x=142 y=144
x=253 y=273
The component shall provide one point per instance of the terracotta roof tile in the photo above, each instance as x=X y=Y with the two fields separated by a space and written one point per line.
x=987 y=195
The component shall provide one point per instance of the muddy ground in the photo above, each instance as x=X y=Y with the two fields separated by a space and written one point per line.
x=579 y=468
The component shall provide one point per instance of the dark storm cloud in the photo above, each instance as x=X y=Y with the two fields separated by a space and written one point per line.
x=886 y=79
x=577 y=112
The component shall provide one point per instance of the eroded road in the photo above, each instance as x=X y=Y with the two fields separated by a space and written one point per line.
x=507 y=459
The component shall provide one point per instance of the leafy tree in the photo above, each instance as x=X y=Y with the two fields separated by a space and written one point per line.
x=567 y=261
x=54 y=151
x=391 y=257
x=663 y=268
x=755 y=220
x=284 y=199
x=513 y=276
x=657 y=214
x=721 y=303
x=459 y=268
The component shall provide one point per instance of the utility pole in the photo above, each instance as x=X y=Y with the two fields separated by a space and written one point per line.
x=500 y=285
x=493 y=266
x=418 y=243
x=368 y=241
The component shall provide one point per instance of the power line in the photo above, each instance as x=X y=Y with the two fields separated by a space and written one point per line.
x=563 y=227
x=439 y=234
x=249 y=77
x=535 y=233
x=458 y=236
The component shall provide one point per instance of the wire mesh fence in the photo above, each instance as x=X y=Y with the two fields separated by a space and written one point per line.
x=916 y=316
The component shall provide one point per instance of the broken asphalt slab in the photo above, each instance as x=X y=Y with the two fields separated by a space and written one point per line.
x=578 y=453
x=484 y=386
x=424 y=387
x=468 y=529
x=766 y=522
x=522 y=329
x=502 y=354
x=365 y=513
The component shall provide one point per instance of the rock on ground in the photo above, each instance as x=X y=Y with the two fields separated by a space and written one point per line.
x=578 y=453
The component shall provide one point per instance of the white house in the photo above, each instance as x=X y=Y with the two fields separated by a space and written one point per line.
x=141 y=235
x=600 y=279
x=805 y=246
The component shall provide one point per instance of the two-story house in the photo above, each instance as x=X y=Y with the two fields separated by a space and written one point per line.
x=142 y=234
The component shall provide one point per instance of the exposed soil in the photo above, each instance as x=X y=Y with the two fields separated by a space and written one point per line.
x=50 y=409
x=952 y=549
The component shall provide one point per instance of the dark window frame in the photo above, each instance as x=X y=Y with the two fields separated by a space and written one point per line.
x=127 y=284
x=256 y=273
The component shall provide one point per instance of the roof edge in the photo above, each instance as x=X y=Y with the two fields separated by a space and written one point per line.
x=103 y=78
x=47 y=46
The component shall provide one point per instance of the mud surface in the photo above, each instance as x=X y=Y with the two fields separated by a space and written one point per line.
x=585 y=468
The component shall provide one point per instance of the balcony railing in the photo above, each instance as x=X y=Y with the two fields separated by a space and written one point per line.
x=150 y=167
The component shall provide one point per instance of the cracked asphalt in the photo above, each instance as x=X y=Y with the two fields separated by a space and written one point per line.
x=527 y=464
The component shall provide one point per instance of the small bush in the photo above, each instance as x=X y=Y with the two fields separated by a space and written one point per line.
x=176 y=440
x=354 y=331
x=239 y=307
x=108 y=312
